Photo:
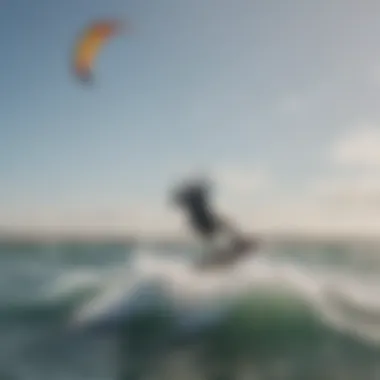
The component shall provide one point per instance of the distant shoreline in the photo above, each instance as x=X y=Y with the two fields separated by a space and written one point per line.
x=24 y=238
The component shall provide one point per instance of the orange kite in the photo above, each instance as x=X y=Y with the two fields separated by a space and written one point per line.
x=89 y=45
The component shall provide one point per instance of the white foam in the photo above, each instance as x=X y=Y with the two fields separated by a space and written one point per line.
x=75 y=281
x=331 y=295
x=186 y=286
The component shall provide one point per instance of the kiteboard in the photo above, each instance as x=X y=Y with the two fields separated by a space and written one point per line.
x=227 y=256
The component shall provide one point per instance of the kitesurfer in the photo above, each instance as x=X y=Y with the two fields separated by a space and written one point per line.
x=193 y=198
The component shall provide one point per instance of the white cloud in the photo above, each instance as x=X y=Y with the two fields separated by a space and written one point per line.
x=315 y=217
x=349 y=198
x=342 y=202
x=360 y=189
x=359 y=148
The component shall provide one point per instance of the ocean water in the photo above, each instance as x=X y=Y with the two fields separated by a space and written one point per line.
x=101 y=312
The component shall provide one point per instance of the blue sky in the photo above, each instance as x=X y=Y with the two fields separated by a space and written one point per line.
x=237 y=87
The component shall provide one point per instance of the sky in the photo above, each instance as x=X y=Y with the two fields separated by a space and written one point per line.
x=277 y=101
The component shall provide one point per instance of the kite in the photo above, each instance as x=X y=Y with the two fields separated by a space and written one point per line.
x=89 y=44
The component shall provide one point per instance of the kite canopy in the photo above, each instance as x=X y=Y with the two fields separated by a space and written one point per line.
x=89 y=44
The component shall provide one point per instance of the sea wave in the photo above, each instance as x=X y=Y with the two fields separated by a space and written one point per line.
x=261 y=310
x=263 y=295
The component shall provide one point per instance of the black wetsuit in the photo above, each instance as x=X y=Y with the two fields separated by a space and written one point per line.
x=202 y=219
